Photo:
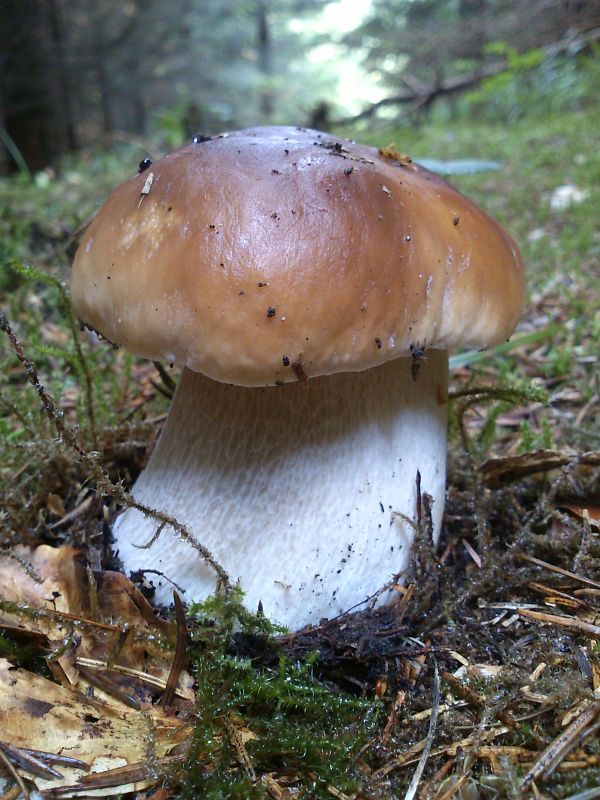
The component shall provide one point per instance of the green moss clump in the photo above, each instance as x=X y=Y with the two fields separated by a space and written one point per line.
x=260 y=715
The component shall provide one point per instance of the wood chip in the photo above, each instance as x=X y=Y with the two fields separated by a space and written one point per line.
x=538 y=671
x=147 y=186
x=461 y=659
x=75 y=512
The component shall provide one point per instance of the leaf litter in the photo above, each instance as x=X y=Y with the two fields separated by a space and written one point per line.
x=109 y=655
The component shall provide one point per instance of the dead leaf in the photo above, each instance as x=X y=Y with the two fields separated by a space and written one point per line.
x=100 y=616
x=38 y=714
x=112 y=657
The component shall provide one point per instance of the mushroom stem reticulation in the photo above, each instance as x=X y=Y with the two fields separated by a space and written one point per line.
x=305 y=493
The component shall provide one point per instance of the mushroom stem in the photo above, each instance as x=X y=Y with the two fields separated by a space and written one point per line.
x=306 y=494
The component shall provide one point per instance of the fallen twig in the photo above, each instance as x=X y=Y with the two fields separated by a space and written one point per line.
x=435 y=704
x=180 y=653
x=552 y=756
x=559 y=570
x=14 y=774
x=418 y=94
x=497 y=472
x=564 y=622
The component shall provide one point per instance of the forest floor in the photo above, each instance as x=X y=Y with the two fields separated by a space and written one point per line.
x=482 y=682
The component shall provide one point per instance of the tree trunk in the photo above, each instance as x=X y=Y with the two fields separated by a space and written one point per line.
x=104 y=90
x=62 y=82
x=264 y=60
x=32 y=118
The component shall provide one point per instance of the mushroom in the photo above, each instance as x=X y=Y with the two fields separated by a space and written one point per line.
x=311 y=288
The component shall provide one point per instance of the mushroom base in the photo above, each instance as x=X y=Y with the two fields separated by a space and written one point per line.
x=306 y=494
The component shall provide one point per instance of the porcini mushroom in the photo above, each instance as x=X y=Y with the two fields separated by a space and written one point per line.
x=312 y=289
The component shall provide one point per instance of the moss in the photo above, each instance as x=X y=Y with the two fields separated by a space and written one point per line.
x=285 y=718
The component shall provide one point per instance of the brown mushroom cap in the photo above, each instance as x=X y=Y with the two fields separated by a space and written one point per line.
x=248 y=255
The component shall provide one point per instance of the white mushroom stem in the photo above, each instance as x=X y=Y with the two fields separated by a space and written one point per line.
x=306 y=494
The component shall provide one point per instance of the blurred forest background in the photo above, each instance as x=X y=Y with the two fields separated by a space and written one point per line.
x=98 y=71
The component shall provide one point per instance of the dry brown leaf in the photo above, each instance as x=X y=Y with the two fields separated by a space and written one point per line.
x=478 y=671
x=101 y=616
x=38 y=714
x=105 y=713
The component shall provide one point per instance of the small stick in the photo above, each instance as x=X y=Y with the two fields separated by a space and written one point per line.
x=120 y=776
x=435 y=704
x=56 y=758
x=25 y=760
x=474 y=699
x=435 y=781
x=392 y=717
x=575 y=733
x=556 y=594
x=564 y=622
x=180 y=651
x=144 y=677
x=14 y=774
x=168 y=381
x=565 y=572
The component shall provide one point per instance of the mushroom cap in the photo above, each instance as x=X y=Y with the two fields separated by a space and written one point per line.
x=271 y=253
